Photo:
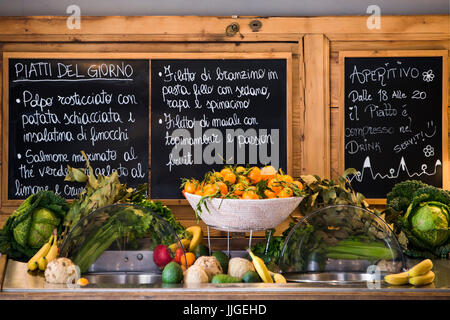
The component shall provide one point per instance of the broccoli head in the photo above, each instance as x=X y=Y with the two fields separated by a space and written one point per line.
x=402 y=194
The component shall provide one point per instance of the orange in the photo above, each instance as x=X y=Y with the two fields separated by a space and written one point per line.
x=210 y=189
x=243 y=179
x=190 y=186
x=239 y=189
x=268 y=172
x=240 y=170
x=298 y=184
x=254 y=175
x=270 y=194
x=225 y=171
x=285 y=178
x=285 y=193
x=250 y=195
x=190 y=259
x=222 y=187
x=275 y=185
x=229 y=177
x=216 y=176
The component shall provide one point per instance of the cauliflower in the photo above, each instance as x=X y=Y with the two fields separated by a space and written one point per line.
x=238 y=266
x=210 y=264
x=195 y=274
x=61 y=270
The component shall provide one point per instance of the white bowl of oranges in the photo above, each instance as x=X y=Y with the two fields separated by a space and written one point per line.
x=243 y=199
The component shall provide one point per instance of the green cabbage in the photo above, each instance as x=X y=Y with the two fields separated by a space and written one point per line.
x=31 y=225
x=429 y=222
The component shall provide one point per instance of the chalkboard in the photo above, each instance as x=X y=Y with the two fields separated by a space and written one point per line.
x=206 y=113
x=58 y=107
x=394 y=128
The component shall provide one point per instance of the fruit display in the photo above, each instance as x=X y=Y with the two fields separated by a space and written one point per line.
x=251 y=183
x=418 y=275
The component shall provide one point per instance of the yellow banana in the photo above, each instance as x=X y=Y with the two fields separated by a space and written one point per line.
x=197 y=237
x=33 y=262
x=277 y=277
x=423 y=279
x=397 y=278
x=261 y=268
x=185 y=242
x=42 y=263
x=421 y=268
x=53 y=252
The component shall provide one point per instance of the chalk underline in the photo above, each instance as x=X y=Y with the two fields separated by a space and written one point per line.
x=91 y=79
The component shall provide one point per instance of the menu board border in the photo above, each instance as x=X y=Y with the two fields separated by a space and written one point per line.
x=388 y=54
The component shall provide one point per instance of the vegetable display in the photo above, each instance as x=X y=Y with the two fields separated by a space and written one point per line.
x=32 y=224
x=421 y=216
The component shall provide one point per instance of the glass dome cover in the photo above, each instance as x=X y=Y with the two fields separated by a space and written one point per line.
x=116 y=227
x=340 y=239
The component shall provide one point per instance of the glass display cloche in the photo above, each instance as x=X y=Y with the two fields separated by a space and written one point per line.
x=340 y=243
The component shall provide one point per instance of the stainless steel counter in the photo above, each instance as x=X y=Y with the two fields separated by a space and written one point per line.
x=18 y=280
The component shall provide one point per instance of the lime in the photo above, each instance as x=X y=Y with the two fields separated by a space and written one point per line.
x=223 y=260
x=224 y=278
x=172 y=273
x=250 y=277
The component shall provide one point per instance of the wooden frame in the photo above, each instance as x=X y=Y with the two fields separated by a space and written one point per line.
x=127 y=55
x=398 y=53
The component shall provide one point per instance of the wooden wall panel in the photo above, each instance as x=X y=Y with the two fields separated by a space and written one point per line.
x=315 y=43
x=316 y=143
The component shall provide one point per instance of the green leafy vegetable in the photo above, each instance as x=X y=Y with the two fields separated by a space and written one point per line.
x=421 y=213
x=31 y=225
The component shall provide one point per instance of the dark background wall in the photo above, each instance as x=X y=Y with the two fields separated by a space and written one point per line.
x=222 y=7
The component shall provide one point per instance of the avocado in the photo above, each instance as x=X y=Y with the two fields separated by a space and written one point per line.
x=201 y=250
x=251 y=277
x=223 y=260
x=172 y=273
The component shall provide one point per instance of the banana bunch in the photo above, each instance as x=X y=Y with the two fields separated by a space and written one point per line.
x=418 y=275
x=47 y=253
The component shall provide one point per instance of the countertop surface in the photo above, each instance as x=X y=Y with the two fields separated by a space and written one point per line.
x=20 y=284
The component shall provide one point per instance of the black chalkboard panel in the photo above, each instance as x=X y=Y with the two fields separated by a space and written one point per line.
x=393 y=121
x=208 y=113
x=58 y=107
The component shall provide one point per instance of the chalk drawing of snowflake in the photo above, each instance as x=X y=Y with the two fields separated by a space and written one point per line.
x=428 y=151
x=428 y=76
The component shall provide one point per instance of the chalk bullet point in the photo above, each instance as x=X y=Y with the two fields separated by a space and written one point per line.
x=160 y=74
x=18 y=100
x=19 y=156
x=160 y=121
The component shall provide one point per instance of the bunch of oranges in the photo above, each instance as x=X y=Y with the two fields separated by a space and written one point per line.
x=237 y=182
